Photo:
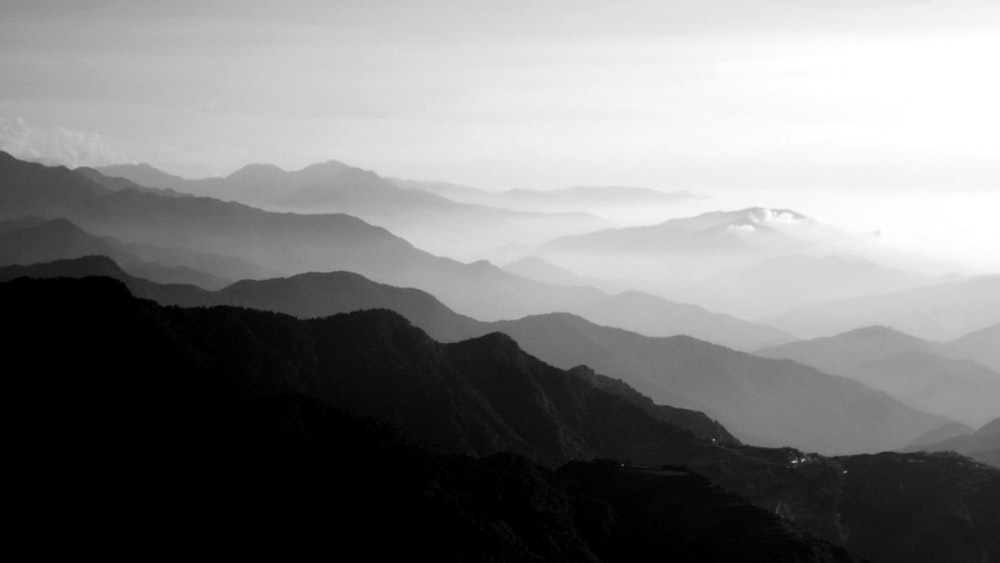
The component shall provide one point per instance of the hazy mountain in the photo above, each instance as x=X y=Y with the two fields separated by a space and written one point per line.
x=142 y=175
x=946 y=432
x=226 y=392
x=756 y=229
x=762 y=401
x=35 y=240
x=290 y=243
x=770 y=285
x=906 y=367
x=591 y=199
x=982 y=445
x=939 y=312
x=116 y=183
x=55 y=238
x=982 y=346
x=426 y=219
x=535 y=268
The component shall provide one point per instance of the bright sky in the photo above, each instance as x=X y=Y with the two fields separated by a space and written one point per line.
x=836 y=95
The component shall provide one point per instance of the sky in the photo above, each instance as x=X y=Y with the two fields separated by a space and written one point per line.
x=808 y=96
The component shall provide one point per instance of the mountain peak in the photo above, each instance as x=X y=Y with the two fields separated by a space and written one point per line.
x=257 y=169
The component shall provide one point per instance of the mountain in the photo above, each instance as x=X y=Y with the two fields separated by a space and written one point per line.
x=588 y=199
x=535 y=268
x=906 y=367
x=762 y=401
x=290 y=243
x=982 y=346
x=946 y=432
x=426 y=219
x=771 y=285
x=237 y=415
x=982 y=445
x=744 y=231
x=33 y=240
x=751 y=262
x=938 y=312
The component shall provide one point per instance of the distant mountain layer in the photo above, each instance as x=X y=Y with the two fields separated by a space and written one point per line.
x=728 y=232
x=910 y=369
x=34 y=239
x=982 y=346
x=938 y=312
x=424 y=218
x=982 y=445
x=762 y=401
x=234 y=400
x=578 y=198
x=291 y=243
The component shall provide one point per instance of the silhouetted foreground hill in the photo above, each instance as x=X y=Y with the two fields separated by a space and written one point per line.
x=765 y=402
x=166 y=413
x=224 y=413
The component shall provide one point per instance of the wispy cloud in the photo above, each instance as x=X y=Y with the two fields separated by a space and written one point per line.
x=56 y=144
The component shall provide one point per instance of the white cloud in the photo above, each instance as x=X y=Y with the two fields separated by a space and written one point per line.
x=56 y=144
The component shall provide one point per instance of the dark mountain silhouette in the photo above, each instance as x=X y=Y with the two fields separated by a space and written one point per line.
x=291 y=243
x=318 y=295
x=982 y=445
x=906 y=367
x=982 y=346
x=424 y=218
x=243 y=404
x=939 y=312
x=763 y=401
x=58 y=239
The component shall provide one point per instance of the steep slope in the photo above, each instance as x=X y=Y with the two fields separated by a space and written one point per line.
x=906 y=367
x=234 y=391
x=940 y=312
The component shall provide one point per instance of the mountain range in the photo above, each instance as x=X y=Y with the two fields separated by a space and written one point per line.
x=245 y=404
x=938 y=312
x=764 y=401
x=290 y=243
x=598 y=200
x=982 y=444
x=425 y=219
x=918 y=372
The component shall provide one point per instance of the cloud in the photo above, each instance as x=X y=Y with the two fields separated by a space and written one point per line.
x=56 y=144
